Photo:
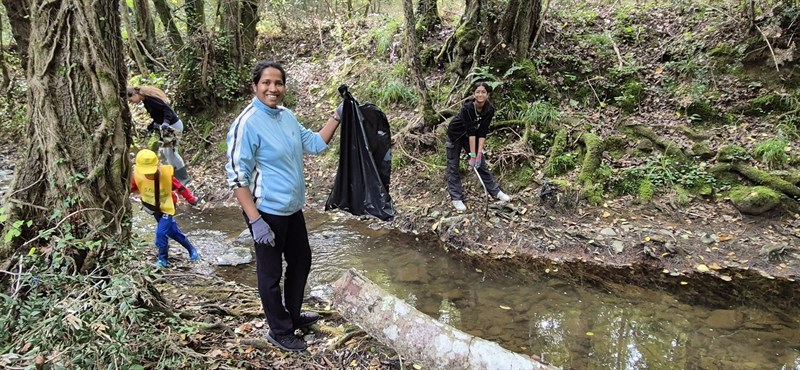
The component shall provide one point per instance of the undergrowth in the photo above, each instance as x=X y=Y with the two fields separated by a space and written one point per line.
x=93 y=320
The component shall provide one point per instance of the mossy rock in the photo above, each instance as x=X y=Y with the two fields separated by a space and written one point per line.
x=733 y=153
x=702 y=150
x=766 y=104
x=701 y=110
x=754 y=200
x=645 y=145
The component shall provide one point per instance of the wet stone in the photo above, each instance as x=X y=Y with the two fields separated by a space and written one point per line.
x=412 y=273
x=618 y=246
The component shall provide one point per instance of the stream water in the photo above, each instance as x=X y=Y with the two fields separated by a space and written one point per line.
x=570 y=326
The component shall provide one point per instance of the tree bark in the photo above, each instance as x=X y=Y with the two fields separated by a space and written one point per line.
x=230 y=30
x=519 y=25
x=414 y=335
x=5 y=78
x=73 y=176
x=168 y=21
x=18 y=18
x=428 y=13
x=145 y=26
x=249 y=19
x=133 y=43
x=428 y=114
x=195 y=19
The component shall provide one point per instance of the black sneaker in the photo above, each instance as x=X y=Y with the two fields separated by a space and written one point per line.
x=307 y=319
x=289 y=343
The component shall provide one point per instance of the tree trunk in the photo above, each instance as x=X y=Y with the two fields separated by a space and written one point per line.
x=195 y=19
x=133 y=43
x=414 y=335
x=459 y=49
x=249 y=19
x=73 y=176
x=165 y=15
x=428 y=114
x=230 y=30
x=19 y=19
x=519 y=25
x=145 y=26
x=505 y=37
x=428 y=13
x=5 y=78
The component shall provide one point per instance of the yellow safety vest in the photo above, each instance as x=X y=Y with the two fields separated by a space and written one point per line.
x=147 y=189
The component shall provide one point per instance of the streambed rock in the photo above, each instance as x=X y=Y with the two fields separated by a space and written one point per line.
x=217 y=249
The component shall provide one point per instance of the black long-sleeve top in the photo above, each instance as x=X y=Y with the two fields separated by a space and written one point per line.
x=470 y=122
x=159 y=111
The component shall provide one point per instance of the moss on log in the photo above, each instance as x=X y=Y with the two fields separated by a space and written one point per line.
x=670 y=148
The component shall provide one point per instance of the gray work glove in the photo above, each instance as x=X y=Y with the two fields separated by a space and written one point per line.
x=262 y=234
x=339 y=110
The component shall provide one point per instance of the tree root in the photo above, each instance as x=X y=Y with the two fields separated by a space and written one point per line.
x=670 y=148
x=350 y=332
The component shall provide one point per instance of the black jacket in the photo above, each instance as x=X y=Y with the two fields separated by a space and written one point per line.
x=470 y=122
x=159 y=111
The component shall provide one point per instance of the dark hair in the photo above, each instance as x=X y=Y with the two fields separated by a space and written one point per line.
x=481 y=83
x=264 y=64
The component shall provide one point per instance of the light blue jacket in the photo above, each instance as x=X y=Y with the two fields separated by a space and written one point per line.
x=265 y=153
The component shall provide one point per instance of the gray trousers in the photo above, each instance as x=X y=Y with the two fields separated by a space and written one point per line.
x=169 y=151
x=454 y=177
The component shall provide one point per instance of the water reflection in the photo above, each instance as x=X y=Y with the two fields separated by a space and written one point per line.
x=569 y=326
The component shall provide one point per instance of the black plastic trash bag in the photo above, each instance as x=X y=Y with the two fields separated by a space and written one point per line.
x=362 y=180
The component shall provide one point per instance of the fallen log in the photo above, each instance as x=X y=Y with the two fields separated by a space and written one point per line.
x=416 y=336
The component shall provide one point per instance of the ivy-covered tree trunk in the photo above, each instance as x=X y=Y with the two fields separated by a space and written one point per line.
x=196 y=91
x=72 y=179
x=427 y=17
x=168 y=21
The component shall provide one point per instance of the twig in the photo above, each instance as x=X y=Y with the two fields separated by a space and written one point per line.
x=777 y=68
x=62 y=221
x=593 y=91
x=616 y=50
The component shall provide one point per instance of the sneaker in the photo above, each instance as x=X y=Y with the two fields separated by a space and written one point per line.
x=161 y=263
x=307 y=319
x=503 y=197
x=459 y=205
x=289 y=343
x=194 y=255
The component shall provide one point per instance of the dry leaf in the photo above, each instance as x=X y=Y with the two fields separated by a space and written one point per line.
x=702 y=268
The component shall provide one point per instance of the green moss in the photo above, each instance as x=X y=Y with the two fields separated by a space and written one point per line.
x=768 y=104
x=684 y=197
x=702 y=150
x=754 y=200
x=733 y=153
x=591 y=161
x=701 y=111
x=559 y=165
x=521 y=177
x=594 y=194
x=645 y=191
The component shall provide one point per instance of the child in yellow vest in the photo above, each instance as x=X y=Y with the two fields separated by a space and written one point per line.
x=147 y=175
